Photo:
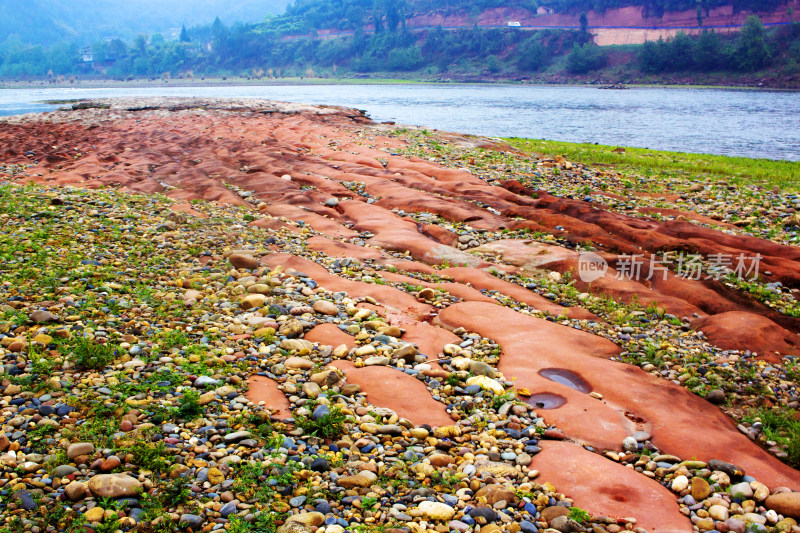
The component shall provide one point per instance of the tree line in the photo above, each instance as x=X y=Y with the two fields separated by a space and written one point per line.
x=261 y=50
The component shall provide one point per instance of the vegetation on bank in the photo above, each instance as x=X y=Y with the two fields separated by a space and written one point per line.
x=288 y=46
x=739 y=170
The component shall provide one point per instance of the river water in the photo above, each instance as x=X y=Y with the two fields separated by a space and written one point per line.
x=764 y=124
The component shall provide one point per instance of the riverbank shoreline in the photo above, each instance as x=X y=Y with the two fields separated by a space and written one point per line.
x=245 y=82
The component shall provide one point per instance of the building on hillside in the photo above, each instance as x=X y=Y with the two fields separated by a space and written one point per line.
x=544 y=10
x=514 y=24
x=86 y=54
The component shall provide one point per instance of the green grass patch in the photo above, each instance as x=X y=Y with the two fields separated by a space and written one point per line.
x=89 y=355
x=330 y=426
x=781 y=426
x=740 y=170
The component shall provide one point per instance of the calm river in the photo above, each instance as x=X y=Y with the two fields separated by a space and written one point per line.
x=731 y=122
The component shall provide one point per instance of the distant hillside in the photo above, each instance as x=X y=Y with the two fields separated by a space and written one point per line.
x=611 y=22
x=83 y=21
x=445 y=41
x=307 y=15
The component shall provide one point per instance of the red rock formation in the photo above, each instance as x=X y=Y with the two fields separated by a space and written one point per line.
x=401 y=306
x=735 y=329
x=680 y=422
x=262 y=389
x=330 y=335
x=293 y=163
x=398 y=391
x=612 y=489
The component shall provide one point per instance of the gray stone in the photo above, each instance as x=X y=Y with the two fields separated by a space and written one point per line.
x=236 y=436
x=320 y=464
x=191 y=521
x=297 y=501
x=735 y=525
x=25 y=500
x=203 y=381
x=479 y=368
x=320 y=411
x=483 y=515
x=743 y=489
x=63 y=471
x=228 y=509
x=565 y=524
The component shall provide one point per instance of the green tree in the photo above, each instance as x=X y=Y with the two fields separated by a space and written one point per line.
x=219 y=33
x=392 y=15
x=377 y=17
x=493 y=64
x=680 y=52
x=184 y=35
x=707 y=51
x=584 y=22
x=532 y=55
x=654 y=56
x=140 y=45
x=585 y=58
x=355 y=17
x=752 y=52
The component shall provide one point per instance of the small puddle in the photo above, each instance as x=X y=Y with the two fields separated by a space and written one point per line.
x=545 y=400
x=566 y=377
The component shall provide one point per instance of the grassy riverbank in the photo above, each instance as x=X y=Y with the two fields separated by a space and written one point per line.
x=770 y=173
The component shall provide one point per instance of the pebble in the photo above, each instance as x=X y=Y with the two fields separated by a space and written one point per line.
x=243 y=261
x=741 y=490
x=436 y=510
x=25 y=500
x=114 y=486
x=191 y=521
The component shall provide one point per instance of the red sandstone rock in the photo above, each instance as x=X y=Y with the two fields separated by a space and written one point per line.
x=400 y=305
x=262 y=389
x=735 y=329
x=605 y=488
x=670 y=413
x=333 y=248
x=404 y=394
x=190 y=159
x=330 y=335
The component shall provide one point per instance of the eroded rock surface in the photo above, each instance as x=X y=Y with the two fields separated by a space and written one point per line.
x=416 y=294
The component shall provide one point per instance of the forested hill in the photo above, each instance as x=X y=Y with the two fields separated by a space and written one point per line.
x=83 y=21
